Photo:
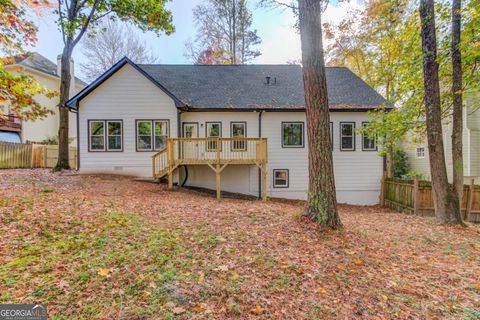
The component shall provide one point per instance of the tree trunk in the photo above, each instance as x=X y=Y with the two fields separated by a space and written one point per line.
x=322 y=203
x=446 y=202
x=65 y=81
x=457 y=123
x=390 y=162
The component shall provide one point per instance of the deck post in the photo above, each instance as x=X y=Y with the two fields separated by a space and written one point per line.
x=264 y=182
x=170 y=159
x=217 y=180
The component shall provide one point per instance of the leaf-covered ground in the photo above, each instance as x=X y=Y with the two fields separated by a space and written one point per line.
x=111 y=248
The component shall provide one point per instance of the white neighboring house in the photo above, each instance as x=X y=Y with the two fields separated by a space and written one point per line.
x=125 y=116
x=417 y=152
x=47 y=74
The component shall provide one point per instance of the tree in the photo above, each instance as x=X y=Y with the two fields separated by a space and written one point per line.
x=18 y=89
x=75 y=18
x=211 y=56
x=457 y=88
x=321 y=204
x=112 y=42
x=446 y=201
x=224 y=26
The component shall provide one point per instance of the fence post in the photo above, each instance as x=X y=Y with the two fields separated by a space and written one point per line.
x=382 y=190
x=416 y=196
x=471 y=190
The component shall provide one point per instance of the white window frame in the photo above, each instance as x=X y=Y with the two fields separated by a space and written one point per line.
x=302 y=145
x=238 y=145
x=211 y=146
x=343 y=136
x=287 y=180
x=152 y=135
x=105 y=135
x=420 y=152
x=364 y=136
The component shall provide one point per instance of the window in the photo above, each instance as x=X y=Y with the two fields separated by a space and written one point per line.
x=152 y=134
x=292 y=135
x=367 y=143
x=421 y=153
x=105 y=135
x=214 y=130
x=347 y=136
x=280 y=178
x=238 y=130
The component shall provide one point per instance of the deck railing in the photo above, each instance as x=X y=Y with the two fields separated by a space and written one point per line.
x=217 y=153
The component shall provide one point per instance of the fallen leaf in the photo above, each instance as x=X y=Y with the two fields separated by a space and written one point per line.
x=234 y=276
x=257 y=310
x=358 y=261
x=103 y=272
x=198 y=308
x=178 y=310
x=321 y=290
x=201 y=277
x=146 y=294
x=221 y=268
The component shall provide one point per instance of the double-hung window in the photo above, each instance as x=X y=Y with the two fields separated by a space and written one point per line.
x=213 y=130
x=238 y=130
x=421 y=153
x=152 y=134
x=368 y=144
x=292 y=134
x=347 y=136
x=105 y=135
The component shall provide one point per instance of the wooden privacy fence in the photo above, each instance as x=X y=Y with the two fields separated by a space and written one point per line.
x=18 y=155
x=416 y=197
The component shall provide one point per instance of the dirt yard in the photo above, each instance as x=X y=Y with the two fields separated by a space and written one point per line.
x=112 y=248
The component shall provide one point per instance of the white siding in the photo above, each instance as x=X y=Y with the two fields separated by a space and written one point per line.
x=357 y=173
x=47 y=127
x=471 y=150
x=127 y=95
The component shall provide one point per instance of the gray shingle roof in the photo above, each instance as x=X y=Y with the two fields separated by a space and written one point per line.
x=243 y=86
x=36 y=61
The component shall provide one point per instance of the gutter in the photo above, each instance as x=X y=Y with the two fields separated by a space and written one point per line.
x=259 y=170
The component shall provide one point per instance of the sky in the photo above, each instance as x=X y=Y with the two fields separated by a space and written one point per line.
x=280 y=40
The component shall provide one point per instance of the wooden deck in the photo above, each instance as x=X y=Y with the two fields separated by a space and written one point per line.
x=217 y=153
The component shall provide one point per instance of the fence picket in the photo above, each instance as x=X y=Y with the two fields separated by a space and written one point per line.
x=18 y=156
x=414 y=196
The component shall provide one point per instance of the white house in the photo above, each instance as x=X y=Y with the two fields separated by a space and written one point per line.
x=417 y=151
x=46 y=73
x=126 y=115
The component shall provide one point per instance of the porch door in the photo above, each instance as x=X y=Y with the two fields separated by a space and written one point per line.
x=190 y=148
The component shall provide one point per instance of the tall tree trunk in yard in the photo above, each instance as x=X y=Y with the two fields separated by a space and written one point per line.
x=65 y=81
x=322 y=203
x=446 y=201
x=457 y=123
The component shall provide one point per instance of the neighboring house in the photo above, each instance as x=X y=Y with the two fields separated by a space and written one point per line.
x=46 y=73
x=126 y=115
x=417 y=152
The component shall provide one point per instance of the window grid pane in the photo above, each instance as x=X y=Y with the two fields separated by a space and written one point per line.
x=144 y=135
x=97 y=135
x=161 y=134
x=213 y=131
x=347 y=136
x=114 y=135
x=238 y=131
